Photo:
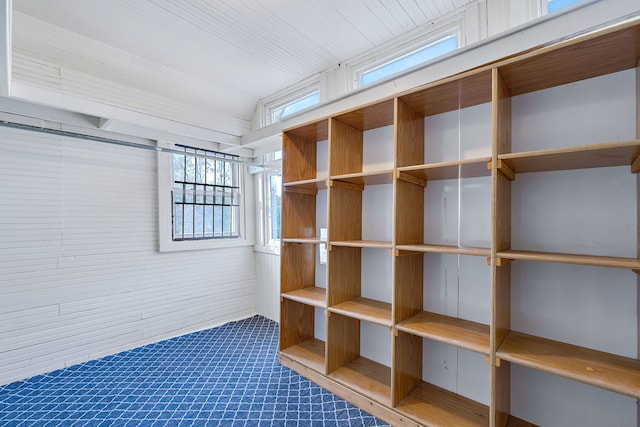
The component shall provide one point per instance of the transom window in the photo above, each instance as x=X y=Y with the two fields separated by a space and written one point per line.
x=434 y=49
x=206 y=195
x=283 y=111
x=554 y=5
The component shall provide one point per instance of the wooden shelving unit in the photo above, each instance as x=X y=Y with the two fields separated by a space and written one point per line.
x=609 y=371
x=387 y=160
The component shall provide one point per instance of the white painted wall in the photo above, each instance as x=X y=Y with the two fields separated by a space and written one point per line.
x=80 y=272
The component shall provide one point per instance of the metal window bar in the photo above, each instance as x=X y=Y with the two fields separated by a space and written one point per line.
x=199 y=193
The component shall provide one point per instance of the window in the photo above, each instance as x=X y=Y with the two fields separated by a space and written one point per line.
x=205 y=195
x=268 y=179
x=555 y=5
x=274 y=201
x=434 y=49
x=282 y=111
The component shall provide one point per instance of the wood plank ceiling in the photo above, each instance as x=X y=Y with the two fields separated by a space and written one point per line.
x=231 y=52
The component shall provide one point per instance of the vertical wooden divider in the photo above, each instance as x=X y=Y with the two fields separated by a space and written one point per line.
x=344 y=263
x=638 y=226
x=408 y=269
x=501 y=240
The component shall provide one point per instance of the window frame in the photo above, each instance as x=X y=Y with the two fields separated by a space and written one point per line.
x=190 y=193
x=448 y=28
x=165 y=208
x=432 y=41
x=268 y=165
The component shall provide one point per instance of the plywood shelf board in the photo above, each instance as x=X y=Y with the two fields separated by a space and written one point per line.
x=435 y=406
x=309 y=353
x=366 y=377
x=584 y=57
x=449 y=330
x=310 y=240
x=372 y=244
x=608 y=371
x=619 y=153
x=316 y=131
x=365 y=309
x=311 y=296
x=444 y=249
x=311 y=184
x=453 y=93
x=370 y=116
x=598 y=261
x=471 y=168
x=377 y=177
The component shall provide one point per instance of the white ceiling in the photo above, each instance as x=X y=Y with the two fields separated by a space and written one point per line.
x=222 y=55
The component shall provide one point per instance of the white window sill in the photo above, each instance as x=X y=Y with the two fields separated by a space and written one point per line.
x=271 y=250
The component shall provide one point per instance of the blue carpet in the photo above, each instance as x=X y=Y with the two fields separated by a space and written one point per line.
x=228 y=376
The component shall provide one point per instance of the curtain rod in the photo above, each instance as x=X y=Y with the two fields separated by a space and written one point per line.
x=112 y=141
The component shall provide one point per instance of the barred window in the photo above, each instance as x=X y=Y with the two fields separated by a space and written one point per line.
x=206 y=195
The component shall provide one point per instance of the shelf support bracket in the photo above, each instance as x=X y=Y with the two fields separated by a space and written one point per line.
x=504 y=168
x=635 y=165
x=299 y=190
x=346 y=185
x=403 y=176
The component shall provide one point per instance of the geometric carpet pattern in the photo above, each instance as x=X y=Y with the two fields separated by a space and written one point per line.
x=225 y=376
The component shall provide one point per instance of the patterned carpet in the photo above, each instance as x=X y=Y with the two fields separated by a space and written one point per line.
x=227 y=376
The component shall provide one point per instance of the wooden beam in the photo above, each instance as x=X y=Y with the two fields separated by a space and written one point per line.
x=5 y=48
x=105 y=123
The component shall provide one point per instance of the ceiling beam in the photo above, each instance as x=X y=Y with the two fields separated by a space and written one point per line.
x=5 y=48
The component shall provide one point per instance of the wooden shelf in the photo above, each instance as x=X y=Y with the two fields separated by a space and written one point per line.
x=309 y=353
x=598 y=261
x=377 y=177
x=591 y=55
x=370 y=116
x=365 y=309
x=315 y=131
x=582 y=157
x=367 y=377
x=372 y=244
x=449 y=330
x=309 y=184
x=461 y=91
x=608 y=371
x=443 y=249
x=435 y=406
x=309 y=240
x=470 y=168
x=311 y=296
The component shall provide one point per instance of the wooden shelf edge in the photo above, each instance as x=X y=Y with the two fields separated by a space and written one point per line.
x=314 y=296
x=313 y=240
x=592 y=260
x=377 y=177
x=468 y=168
x=454 y=331
x=444 y=249
x=373 y=244
x=614 y=153
x=365 y=309
x=365 y=375
x=384 y=412
x=315 y=183
x=308 y=353
x=604 y=370
x=432 y=405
